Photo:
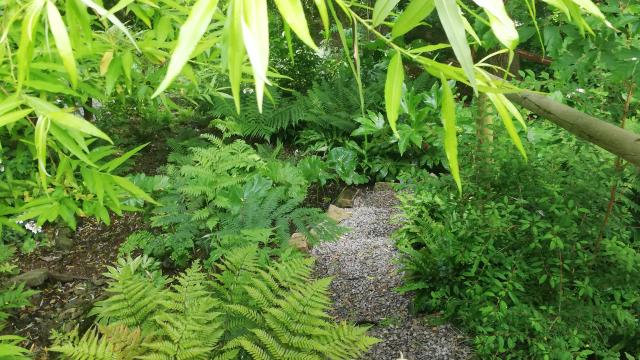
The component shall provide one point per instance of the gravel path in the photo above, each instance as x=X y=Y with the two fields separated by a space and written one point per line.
x=362 y=263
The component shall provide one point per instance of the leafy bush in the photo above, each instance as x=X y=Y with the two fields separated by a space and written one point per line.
x=245 y=309
x=521 y=259
x=221 y=191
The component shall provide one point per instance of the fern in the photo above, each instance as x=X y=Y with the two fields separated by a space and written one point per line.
x=245 y=309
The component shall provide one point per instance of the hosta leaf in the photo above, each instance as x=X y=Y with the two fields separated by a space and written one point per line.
x=501 y=24
x=293 y=13
x=255 y=33
x=190 y=34
x=448 y=115
x=505 y=115
x=63 y=44
x=453 y=24
x=381 y=10
x=413 y=14
x=393 y=89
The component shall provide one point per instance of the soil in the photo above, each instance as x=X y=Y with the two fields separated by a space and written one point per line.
x=64 y=305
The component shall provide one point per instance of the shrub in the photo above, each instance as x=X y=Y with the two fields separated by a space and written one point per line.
x=522 y=260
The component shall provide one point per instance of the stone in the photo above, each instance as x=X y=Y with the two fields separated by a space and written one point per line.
x=63 y=238
x=345 y=199
x=338 y=214
x=383 y=186
x=33 y=278
x=299 y=241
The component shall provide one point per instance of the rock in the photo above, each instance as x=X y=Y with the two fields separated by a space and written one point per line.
x=345 y=199
x=33 y=278
x=299 y=241
x=63 y=238
x=338 y=214
x=383 y=186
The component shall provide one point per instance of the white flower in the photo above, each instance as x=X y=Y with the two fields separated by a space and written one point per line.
x=247 y=91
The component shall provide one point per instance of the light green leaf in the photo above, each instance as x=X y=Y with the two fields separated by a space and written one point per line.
x=120 y=5
x=190 y=33
x=40 y=142
x=133 y=189
x=381 y=10
x=127 y=66
x=52 y=87
x=114 y=20
x=453 y=25
x=429 y=48
x=293 y=13
x=12 y=117
x=393 y=90
x=505 y=115
x=9 y=104
x=324 y=16
x=63 y=44
x=501 y=24
x=73 y=122
x=448 y=115
x=27 y=37
x=413 y=14
x=255 y=33
x=235 y=50
x=69 y=143
x=513 y=110
x=560 y=5
x=113 y=164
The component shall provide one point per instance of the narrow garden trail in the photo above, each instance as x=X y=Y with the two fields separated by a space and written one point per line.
x=363 y=265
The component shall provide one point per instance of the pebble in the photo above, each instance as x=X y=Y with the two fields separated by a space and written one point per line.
x=363 y=263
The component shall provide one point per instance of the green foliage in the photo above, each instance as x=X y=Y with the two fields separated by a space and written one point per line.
x=244 y=309
x=522 y=259
x=219 y=192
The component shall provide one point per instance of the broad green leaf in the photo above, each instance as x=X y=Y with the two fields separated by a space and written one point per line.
x=132 y=189
x=505 y=115
x=40 y=142
x=453 y=24
x=63 y=44
x=448 y=115
x=12 y=117
x=501 y=24
x=413 y=14
x=324 y=16
x=114 y=20
x=255 y=33
x=190 y=34
x=393 y=90
x=293 y=13
x=73 y=122
x=381 y=10
x=235 y=49
x=115 y=163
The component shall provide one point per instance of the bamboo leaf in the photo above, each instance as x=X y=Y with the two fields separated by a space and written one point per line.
x=190 y=34
x=113 y=164
x=52 y=87
x=413 y=14
x=324 y=16
x=73 y=122
x=255 y=33
x=40 y=142
x=132 y=189
x=448 y=115
x=12 y=117
x=9 y=104
x=105 y=62
x=393 y=90
x=235 y=50
x=513 y=110
x=27 y=38
x=70 y=144
x=127 y=66
x=114 y=20
x=293 y=13
x=507 y=122
x=501 y=24
x=381 y=10
x=63 y=44
x=453 y=24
